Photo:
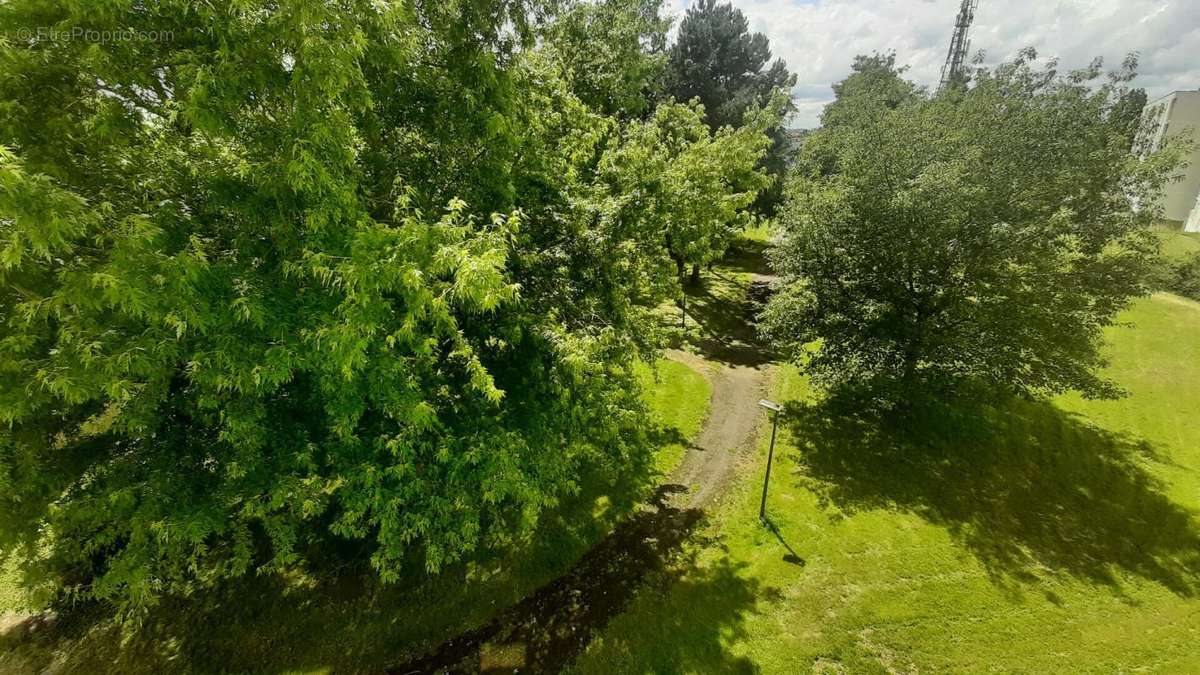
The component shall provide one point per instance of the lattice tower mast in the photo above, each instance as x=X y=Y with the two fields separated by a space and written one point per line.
x=960 y=44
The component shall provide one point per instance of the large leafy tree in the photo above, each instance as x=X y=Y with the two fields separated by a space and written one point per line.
x=875 y=79
x=613 y=53
x=986 y=237
x=716 y=59
x=690 y=185
x=1127 y=112
x=279 y=275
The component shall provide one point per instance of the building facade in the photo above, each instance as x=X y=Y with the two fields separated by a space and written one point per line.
x=1174 y=114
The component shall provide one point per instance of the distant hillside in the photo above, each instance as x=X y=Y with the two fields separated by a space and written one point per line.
x=795 y=141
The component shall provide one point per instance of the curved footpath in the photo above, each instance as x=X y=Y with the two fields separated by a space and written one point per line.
x=546 y=631
x=733 y=418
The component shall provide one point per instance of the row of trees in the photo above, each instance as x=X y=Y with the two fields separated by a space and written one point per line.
x=981 y=238
x=304 y=273
x=300 y=273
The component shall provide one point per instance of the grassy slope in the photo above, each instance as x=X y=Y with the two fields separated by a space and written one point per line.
x=1067 y=543
x=12 y=596
x=1177 y=244
x=340 y=625
x=678 y=396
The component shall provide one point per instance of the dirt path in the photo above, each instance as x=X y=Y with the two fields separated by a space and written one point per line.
x=548 y=629
x=733 y=419
x=739 y=371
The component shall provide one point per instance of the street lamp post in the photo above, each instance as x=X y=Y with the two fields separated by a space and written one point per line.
x=775 y=408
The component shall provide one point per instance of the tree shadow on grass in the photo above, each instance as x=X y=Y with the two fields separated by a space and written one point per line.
x=683 y=623
x=722 y=308
x=350 y=623
x=548 y=629
x=1023 y=485
x=749 y=255
x=347 y=621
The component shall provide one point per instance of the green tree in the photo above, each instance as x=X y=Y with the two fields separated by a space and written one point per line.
x=716 y=59
x=613 y=53
x=1127 y=112
x=986 y=238
x=297 y=273
x=873 y=81
x=1183 y=276
x=690 y=186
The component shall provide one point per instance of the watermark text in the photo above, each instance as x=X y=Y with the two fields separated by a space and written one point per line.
x=93 y=35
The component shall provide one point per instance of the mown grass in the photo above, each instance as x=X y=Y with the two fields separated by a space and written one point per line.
x=1026 y=537
x=1176 y=244
x=718 y=325
x=678 y=397
x=344 y=622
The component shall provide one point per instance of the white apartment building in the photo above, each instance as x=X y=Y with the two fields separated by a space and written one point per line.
x=1173 y=114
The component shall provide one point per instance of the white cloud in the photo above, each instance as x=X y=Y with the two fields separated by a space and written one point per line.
x=819 y=38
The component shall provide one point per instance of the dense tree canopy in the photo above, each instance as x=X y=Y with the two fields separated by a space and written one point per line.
x=613 y=53
x=986 y=236
x=301 y=272
x=876 y=78
x=717 y=60
x=699 y=183
x=1127 y=112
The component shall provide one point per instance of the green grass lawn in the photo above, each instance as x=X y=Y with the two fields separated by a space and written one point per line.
x=342 y=623
x=1034 y=537
x=717 y=308
x=1176 y=244
x=678 y=396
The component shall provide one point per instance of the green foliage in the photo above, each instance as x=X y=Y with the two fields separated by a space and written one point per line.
x=298 y=622
x=1183 y=276
x=302 y=274
x=1127 y=112
x=874 y=78
x=613 y=53
x=987 y=236
x=1179 y=271
x=690 y=185
x=717 y=60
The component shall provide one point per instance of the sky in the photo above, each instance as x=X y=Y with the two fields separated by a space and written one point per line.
x=819 y=38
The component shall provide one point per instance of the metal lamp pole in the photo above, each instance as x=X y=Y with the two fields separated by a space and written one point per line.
x=775 y=408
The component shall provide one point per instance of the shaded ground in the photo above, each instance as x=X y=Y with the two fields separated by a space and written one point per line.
x=1033 y=537
x=344 y=620
x=720 y=309
x=1022 y=485
x=547 y=630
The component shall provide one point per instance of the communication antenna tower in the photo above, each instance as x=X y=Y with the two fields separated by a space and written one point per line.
x=960 y=45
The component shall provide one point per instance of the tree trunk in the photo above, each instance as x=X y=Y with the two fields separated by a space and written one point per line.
x=695 y=274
